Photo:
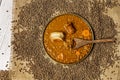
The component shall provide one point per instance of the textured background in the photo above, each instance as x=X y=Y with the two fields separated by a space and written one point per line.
x=29 y=60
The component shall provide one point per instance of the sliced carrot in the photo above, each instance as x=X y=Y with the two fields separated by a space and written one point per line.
x=77 y=53
x=60 y=56
x=86 y=33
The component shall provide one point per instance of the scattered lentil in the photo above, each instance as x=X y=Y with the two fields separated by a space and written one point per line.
x=28 y=44
x=4 y=75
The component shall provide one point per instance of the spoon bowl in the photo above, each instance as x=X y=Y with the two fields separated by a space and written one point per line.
x=80 y=42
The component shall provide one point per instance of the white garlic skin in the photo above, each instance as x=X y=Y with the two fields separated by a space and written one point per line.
x=56 y=36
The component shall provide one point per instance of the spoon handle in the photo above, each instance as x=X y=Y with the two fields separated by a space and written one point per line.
x=101 y=40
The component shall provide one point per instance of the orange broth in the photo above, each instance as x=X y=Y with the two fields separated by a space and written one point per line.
x=58 y=50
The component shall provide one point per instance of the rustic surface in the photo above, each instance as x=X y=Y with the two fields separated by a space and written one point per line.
x=4 y=75
x=29 y=60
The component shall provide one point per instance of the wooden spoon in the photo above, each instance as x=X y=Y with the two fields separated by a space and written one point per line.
x=80 y=42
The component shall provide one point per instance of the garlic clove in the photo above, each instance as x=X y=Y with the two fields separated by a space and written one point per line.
x=56 y=36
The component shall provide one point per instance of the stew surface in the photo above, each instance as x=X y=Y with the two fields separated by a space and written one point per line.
x=61 y=50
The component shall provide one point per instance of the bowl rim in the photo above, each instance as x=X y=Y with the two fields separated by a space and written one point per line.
x=90 y=27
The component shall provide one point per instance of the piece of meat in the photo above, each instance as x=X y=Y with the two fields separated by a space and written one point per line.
x=69 y=27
